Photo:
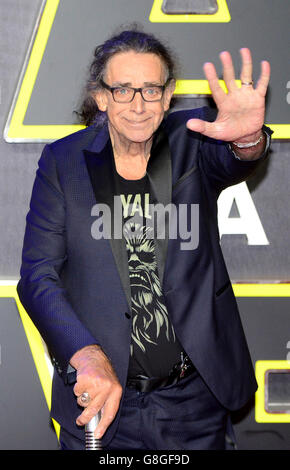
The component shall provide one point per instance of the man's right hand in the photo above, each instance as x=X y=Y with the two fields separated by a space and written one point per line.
x=95 y=375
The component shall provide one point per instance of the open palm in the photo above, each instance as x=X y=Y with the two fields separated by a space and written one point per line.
x=241 y=111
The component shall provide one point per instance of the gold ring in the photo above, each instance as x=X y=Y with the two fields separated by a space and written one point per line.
x=248 y=83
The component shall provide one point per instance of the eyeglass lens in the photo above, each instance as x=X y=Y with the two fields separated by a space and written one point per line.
x=126 y=94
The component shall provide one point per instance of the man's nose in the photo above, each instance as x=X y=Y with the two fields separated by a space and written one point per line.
x=138 y=104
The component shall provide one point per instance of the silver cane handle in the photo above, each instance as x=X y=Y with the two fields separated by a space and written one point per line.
x=91 y=442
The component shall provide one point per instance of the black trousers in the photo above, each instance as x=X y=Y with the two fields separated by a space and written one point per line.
x=184 y=416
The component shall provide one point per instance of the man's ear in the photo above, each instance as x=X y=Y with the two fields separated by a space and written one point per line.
x=100 y=98
x=168 y=93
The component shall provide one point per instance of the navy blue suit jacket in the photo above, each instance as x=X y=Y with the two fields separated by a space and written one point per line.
x=76 y=288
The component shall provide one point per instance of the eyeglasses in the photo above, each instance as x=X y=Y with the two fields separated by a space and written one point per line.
x=126 y=94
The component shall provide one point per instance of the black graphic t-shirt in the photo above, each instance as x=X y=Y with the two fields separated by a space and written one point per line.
x=154 y=345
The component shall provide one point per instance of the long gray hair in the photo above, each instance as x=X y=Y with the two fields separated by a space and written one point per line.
x=128 y=40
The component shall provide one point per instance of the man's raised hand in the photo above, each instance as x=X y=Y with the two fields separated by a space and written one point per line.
x=241 y=111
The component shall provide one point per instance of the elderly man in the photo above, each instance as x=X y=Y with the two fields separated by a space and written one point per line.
x=147 y=320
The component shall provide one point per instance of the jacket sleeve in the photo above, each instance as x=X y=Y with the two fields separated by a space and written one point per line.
x=44 y=253
x=219 y=162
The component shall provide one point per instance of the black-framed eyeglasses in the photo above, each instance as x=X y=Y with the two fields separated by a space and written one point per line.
x=126 y=94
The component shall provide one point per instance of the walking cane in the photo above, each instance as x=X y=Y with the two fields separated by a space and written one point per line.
x=91 y=442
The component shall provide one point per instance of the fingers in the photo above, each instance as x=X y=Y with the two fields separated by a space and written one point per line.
x=203 y=127
x=78 y=389
x=89 y=412
x=241 y=110
x=228 y=73
x=247 y=70
x=228 y=70
x=213 y=81
x=247 y=67
x=96 y=377
x=196 y=125
x=264 y=79
x=108 y=403
x=109 y=412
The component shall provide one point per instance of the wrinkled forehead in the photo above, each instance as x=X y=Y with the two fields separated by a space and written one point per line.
x=131 y=67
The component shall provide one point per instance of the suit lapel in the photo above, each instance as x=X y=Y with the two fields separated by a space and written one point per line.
x=100 y=164
x=160 y=176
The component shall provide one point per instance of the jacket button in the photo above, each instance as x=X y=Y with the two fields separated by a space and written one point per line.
x=127 y=315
